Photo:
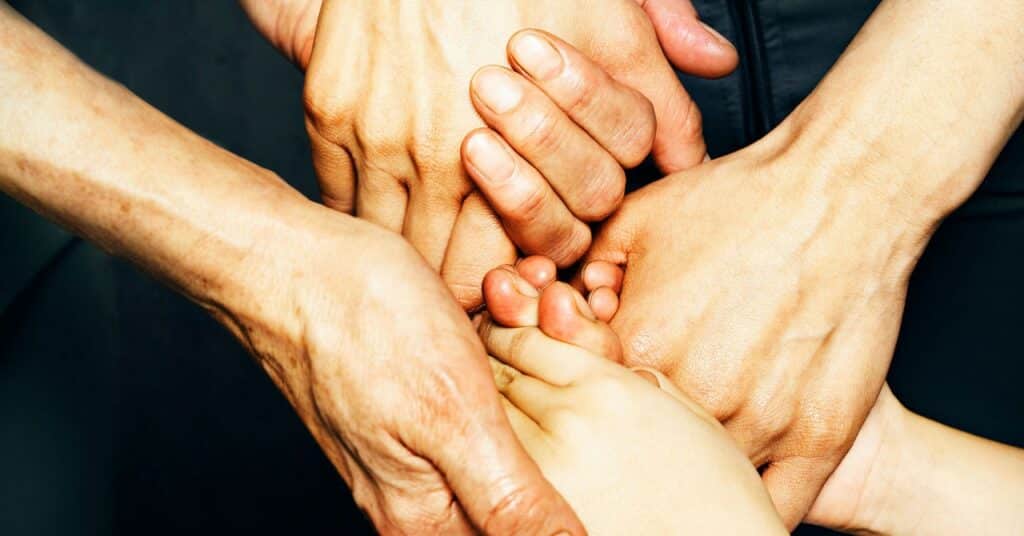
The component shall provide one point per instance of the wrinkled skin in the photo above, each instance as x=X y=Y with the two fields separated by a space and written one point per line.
x=402 y=402
x=779 y=317
x=387 y=108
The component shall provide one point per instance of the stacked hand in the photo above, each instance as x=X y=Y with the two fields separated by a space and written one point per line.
x=760 y=287
x=387 y=373
x=770 y=314
x=387 y=109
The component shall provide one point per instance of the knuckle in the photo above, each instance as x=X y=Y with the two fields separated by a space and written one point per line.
x=328 y=110
x=469 y=297
x=520 y=341
x=569 y=246
x=822 y=434
x=693 y=122
x=603 y=193
x=543 y=134
x=634 y=141
x=583 y=88
x=381 y=145
x=439 y=397
x=519 y=511
x=771 y=417
x=528 y=207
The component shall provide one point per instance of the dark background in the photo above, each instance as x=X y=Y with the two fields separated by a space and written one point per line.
x=123 y=408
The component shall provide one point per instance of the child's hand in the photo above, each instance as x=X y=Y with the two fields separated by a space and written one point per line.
x=561 y=131
x=628 y=456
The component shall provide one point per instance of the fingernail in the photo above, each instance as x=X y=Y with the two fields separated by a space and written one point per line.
x=490 y=158
x=497 y=90
x=537 y=56
x=718 y=37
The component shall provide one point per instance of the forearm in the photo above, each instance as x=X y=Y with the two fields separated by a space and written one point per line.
x=919 y=105
x=88 y=154
x=932 y=479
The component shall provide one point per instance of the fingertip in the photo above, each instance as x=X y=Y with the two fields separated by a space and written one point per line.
x=597 y=274
x=604 y=302
x=510 y=299
x=539 y=270
x=560 y=314
x=487 y=158
x=693 y=46
x=564 y=315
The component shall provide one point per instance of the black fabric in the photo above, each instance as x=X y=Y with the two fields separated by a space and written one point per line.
x=123 y=408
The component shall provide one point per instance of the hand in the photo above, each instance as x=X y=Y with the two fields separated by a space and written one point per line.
x=348 y=320
x=387 y=373
x=771 y=291
x=386 y=108
x=631 y=456
x=559 y=151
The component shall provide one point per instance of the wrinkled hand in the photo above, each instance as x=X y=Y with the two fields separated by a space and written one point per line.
x=387 y=107
x=770 y=291
x=388 y=374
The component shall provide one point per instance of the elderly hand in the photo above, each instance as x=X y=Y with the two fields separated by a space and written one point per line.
x=388 y=374
x=387 y=108
x=772 y=293
x=356 y=330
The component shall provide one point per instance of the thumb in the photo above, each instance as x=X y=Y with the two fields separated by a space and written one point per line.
x=793 y=484
x=692 y=46
x=289 y=25
x=613 y=242
x=477 y=245
x=499 y=487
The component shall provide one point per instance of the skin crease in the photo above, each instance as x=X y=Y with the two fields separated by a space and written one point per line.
x=906 y=474
x=280 y=342
x=773 y=293
x=409 y=416
x=386 y=111
x=668 y=468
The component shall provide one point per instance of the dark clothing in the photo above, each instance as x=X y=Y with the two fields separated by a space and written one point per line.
x=124 y=408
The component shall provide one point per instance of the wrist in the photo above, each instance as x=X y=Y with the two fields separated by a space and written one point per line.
x=862 y=221
x=888 y=498
x=859 y=153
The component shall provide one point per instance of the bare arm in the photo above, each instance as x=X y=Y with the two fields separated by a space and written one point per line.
x=920 y=103
x=939 y=480
x=306 y=289
x=777 y=275
x=909 y=475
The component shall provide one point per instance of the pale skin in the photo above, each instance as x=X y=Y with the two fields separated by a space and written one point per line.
x=668 y=467
x=303 y=237
x=234 y=238
x=630 y=456
x=415 y=428
x=909 y=475
x=769 y=284
x=386 y=110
